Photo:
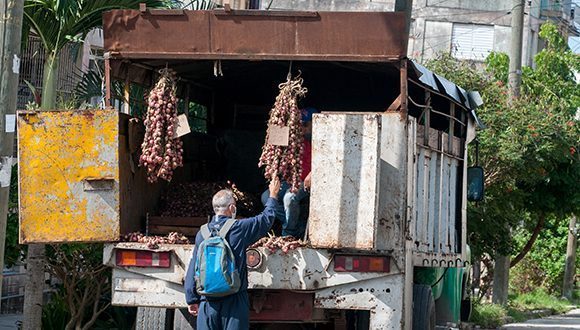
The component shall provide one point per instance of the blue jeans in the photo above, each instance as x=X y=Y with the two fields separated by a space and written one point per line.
x=288 y=212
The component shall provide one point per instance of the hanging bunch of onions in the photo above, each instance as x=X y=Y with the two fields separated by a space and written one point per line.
x=161 y=152
x=286 y=161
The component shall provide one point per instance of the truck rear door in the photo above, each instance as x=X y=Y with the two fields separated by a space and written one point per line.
x=68 y=175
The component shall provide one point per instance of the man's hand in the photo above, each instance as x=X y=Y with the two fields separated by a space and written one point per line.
x=307 y=181
x=274 y=186
x=193 y=309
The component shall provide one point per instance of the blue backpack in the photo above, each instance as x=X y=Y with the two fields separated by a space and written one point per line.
x=215 y=266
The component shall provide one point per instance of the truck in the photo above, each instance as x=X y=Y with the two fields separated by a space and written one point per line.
x=387 y=245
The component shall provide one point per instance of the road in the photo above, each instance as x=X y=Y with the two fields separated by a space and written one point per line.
x=570 y=320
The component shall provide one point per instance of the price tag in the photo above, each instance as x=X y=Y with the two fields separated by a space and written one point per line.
x=182 y=126
x=278 y=135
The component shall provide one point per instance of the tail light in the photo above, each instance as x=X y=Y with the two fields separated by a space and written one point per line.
x=253 y=258
x=138 y=258
x=354 y=263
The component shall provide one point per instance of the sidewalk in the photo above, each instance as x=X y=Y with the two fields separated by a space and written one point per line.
x=570 y=320
x=8 y=321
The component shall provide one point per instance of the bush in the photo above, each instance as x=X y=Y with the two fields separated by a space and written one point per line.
x=488 y=315
x=539 y=299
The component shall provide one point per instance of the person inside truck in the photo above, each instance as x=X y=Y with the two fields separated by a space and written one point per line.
x=231 y=311
x=293 y=224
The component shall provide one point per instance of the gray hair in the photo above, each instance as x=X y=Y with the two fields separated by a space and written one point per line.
x=222 y=200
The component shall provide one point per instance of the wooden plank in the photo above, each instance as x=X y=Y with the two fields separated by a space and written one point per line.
x=452 y=204
x=433 y=218
x=434 y=139
x=164 y=230
x=444 y=227
x=396 y=105
x=438 y=204
x=177 y=221
x=420 y=134
x=419 y=231
x=404 y=87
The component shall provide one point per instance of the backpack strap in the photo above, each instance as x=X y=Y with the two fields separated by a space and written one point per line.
x=205 y=233
x=226 y=228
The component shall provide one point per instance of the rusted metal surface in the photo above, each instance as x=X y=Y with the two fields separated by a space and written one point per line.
x=63 y=156
x=381 y=295
x=274 y=305
x=350 y=36
x=303 y=269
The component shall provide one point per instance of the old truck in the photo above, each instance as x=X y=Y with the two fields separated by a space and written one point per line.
x=387 y=213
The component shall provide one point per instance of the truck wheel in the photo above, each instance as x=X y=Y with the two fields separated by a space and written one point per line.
x=154 y=318
x=183 y=320
x=423 y=308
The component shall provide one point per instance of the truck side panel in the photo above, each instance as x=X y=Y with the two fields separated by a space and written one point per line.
x=69 y=178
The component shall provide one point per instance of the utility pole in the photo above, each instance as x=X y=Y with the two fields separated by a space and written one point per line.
x=570 y=270
x=515 y=73
x=502 y=263
x=405 y=6
x=11 y=12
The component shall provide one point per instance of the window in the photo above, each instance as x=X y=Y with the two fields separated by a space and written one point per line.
x=471 y=41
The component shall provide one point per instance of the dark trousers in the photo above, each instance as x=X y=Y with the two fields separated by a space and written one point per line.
x=228 y=313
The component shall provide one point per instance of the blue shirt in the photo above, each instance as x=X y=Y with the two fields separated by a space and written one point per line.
x=243 y=233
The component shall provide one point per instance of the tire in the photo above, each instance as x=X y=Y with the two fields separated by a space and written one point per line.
x=423 y=308
x=183 y=320
x=466 y=309
x=154 y=318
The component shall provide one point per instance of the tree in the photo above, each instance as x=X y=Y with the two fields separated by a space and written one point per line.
x=529 y=148
x=57 y=23
x=84 y=279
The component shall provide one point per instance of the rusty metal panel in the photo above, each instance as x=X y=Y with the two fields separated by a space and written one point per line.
x=131 y=31
x=68 y=176
x=251 y=34
x=345 y=164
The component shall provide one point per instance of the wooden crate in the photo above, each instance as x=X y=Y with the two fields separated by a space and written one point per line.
x=189 y=226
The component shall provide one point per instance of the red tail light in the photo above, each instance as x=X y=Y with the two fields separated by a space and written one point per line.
x=344 y=263
x=138 y=258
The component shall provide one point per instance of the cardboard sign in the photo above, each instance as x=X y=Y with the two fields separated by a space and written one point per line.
x=182 y=126
x=278 y=135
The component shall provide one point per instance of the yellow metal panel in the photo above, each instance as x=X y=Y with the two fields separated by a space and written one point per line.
x=68 y=176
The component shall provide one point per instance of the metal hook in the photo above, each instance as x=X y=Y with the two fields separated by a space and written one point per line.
x=433 y=261
x=442 y=263
x=425 y=260
x=457 y=262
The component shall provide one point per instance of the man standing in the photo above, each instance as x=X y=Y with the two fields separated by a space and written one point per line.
x=289 y=211
x=232 y=311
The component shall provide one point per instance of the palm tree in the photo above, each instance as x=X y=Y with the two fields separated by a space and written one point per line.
x=59 y=22
x=56 y=23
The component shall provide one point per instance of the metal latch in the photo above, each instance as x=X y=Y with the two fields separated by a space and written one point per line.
x=93 y=184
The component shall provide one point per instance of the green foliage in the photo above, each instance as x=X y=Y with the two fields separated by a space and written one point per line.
x=13 y=251
x=488 y=315
x=543 y=267
x=529 y=147
x=538 y=299
x=55 y=314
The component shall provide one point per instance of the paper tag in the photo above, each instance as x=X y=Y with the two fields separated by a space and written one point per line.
x=278 y=135
x=182 y=126
x=10 y=123
x=16 y=64
x=5 y=171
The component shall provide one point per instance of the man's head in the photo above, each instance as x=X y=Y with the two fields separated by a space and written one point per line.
x=224 y=203
x=307 y=121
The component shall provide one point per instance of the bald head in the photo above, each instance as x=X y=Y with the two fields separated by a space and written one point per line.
x=222 y=202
